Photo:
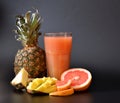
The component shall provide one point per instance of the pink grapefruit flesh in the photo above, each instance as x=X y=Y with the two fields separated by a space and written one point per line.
x=81 y=78
x=63 y=85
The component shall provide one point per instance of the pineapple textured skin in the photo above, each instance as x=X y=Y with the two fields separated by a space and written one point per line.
x=33 y=60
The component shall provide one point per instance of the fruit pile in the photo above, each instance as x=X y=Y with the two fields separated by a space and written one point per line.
x=42 y=85
x=76 y=79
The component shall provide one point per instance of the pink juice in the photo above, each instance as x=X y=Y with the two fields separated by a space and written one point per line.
x=58 y=52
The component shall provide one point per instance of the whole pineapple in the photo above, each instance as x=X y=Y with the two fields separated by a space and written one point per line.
x=31 y=57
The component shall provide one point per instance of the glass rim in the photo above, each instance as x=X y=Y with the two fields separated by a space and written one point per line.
x=58 y=34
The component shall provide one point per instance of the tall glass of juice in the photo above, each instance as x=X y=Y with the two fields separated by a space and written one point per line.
x=58 y=52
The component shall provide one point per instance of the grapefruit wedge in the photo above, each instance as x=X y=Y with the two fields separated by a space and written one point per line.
x=63 y=85
x=65 y=92
x=80 y=77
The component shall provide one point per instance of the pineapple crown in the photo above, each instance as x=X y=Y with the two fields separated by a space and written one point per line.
x=28 y=28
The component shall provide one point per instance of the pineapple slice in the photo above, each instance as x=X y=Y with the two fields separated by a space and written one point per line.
x=20 y=80
x=46 y=88
x=35 y=83
x=42 y=85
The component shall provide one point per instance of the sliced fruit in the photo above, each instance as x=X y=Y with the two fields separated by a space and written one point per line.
x=81 y=78
x=66 y=92
x=21 y=79
x=42 y=85
x=35 y=83
x=62 y=85
x=46 y=89
x=47 y=86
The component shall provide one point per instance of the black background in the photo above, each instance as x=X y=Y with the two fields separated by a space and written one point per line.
x=95 y=25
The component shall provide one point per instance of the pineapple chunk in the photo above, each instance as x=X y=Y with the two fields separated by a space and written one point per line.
x=20 y=80
x=47 y=88
x=42 y=85
x=35 y=83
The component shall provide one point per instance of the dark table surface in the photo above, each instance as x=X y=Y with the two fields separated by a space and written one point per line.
x=102 y=90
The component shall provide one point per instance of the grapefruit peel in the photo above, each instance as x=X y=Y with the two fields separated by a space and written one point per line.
x=79 y=83
x=63 y=85
x=65 y=92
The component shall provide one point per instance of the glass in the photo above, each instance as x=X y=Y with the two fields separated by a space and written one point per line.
x=58 y=52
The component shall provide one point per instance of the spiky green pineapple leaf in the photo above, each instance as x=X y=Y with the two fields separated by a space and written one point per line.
x=27 y=17
x=28 y=27
x=20 y=20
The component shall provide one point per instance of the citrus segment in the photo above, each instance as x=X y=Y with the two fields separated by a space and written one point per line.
x=62 y=85
x=81 y=78
x=66 y=92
